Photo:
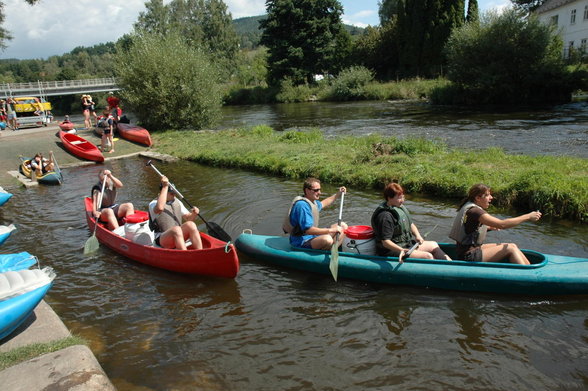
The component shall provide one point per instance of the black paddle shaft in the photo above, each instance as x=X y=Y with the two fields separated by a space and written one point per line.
x=214 y=229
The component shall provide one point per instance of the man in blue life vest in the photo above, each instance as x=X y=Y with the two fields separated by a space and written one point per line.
x=302 y=221
x=173 y=223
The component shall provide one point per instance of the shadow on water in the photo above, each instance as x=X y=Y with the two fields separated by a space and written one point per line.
x=273 y=328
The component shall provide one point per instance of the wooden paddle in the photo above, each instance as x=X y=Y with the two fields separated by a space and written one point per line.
x=214 y=229
x=334 y=264
x=92 y=244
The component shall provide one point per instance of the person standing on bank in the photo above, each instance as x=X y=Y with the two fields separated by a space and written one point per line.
x=302 y=221
x=166 y=213
x=109 y=212
x=395 y=232
x=472 y=222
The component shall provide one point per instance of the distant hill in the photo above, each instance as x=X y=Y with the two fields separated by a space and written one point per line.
x=249 y=33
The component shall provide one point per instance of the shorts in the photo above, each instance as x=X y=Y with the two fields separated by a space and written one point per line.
x=473 y=255
x=307 y=244
x=11 y=116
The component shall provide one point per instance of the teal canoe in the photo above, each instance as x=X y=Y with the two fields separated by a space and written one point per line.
x=547 y=274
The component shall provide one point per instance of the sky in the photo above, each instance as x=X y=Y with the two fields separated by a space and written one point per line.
x=55 y=27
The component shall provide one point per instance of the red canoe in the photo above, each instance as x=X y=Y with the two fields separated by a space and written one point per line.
x=134 y=133
x=66 y=126
x=217 y=258
x=80 y=147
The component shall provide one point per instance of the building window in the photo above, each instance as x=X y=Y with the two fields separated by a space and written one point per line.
x=573 y=17
x=583 y=45
x=585 y=12
x=554 y=20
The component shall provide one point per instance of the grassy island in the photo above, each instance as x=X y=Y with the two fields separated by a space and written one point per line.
x=558 y=186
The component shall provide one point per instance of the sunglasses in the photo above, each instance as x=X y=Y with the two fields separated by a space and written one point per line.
x=315 y=190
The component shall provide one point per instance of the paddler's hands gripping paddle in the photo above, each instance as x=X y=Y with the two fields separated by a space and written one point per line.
x=414 y=246
x=92 y=244
x=214 y=229
x=334 y=264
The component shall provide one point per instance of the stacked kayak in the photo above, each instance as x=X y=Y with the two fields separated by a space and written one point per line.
x=547 y=274
x=20 y=292
x=5 y=231
x=134 y=133
x=80 y=147
x=4 y=196
x=216 y=258
x=21 y=289
x=50 y=178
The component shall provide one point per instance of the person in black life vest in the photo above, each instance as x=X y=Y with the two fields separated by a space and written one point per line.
x=40 y=165
x=109 y=211
x=167 y=213
x=395 y=232
x=472 y=222
x=302 y=220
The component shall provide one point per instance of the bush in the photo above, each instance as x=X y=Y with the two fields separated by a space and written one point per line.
x=168 y=84
x=290 y=93
x=506 y=59
x=350 y=83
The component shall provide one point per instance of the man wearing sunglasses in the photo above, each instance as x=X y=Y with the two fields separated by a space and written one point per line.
x=302 y=221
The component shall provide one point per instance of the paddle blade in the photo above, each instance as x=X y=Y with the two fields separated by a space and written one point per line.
x=217 y=232
x=334 y=264
x=91 y=245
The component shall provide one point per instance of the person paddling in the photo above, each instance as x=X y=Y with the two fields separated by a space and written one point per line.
x=472 y=222
x=109 y=211
x=166 y=213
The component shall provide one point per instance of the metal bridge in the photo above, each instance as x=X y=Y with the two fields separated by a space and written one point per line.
x=62 y=87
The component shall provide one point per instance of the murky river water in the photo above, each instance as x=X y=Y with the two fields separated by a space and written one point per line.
x=279 y=329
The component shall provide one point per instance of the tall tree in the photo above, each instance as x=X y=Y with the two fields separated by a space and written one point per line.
x=424 y=26
x=304 y=38
x=387 y=10
x=204 y=24
x=473 y=15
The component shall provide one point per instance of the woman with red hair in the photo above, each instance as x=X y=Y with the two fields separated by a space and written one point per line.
x=395 y=232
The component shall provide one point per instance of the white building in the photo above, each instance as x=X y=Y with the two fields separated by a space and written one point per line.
x=571 y=19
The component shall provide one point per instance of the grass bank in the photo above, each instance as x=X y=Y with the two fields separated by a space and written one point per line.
x=28 y=352
x=558 y=186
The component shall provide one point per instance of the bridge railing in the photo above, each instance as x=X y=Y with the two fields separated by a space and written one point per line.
x=58 y=87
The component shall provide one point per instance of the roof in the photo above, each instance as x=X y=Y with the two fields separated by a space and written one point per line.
x=553 y=4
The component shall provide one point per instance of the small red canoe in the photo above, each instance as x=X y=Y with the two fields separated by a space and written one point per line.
x=80 y=147
x=134 y=133
x=217 y=258
x=65 y=126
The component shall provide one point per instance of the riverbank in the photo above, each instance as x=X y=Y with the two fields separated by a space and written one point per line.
x=558 y=186
x=62 y=364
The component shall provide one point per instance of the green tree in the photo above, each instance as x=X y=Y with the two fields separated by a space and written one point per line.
x=508 y=59
x=473 y=15
x=205 y=24
x=304 y=38
x=423 y=29
x=388 y=10
x=169 y=84
x=377 y=49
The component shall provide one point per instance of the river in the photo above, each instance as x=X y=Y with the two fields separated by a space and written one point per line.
x=273 y=328
x=277 y=329
x=559 y=130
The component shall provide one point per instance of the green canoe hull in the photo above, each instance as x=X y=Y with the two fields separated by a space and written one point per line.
x=547 y=275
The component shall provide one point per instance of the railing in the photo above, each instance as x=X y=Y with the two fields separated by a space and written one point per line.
x=58 y=87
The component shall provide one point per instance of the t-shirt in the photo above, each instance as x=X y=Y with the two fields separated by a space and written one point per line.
x=301 y=215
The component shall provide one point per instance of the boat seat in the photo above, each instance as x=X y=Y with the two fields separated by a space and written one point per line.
x=15 y=283
x=76 y=142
